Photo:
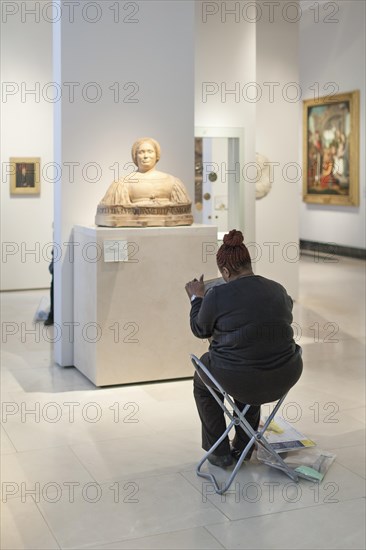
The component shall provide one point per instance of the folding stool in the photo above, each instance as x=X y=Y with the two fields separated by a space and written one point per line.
x=256 y=437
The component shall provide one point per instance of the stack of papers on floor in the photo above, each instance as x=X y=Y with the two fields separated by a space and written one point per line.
x=308 y=462
x=283 y=437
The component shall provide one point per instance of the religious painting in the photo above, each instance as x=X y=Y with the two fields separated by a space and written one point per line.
x=331 y=150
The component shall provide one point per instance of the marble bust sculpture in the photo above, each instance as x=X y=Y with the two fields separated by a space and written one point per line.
x=146 y=197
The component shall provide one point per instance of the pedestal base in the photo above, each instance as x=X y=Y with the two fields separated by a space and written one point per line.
x=132 y=317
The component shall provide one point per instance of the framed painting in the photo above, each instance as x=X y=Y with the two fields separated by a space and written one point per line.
x=331 y=149
x=24 y=175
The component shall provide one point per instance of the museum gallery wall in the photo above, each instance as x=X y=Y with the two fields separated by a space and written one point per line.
x=28 y=60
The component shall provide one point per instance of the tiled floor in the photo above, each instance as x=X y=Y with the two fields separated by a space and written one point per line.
x=114 y=468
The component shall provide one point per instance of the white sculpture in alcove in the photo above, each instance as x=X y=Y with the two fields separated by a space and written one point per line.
x=263 y=182
x=146 y=197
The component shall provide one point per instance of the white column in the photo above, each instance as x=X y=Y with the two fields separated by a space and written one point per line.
x=126 y=71
x=277 y=137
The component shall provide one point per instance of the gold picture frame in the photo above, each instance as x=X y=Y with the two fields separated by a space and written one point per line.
x=331 y=149
x=25 y=176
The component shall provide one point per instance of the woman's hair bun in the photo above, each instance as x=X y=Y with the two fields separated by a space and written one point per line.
x=233 y=238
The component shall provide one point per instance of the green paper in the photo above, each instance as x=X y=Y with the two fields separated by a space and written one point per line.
x=309 y=472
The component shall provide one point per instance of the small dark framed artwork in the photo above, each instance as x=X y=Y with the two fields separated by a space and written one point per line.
x=25 y=176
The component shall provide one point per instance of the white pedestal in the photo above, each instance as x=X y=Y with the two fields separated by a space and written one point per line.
x=132 y=317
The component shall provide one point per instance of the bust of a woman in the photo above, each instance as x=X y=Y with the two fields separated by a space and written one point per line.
x=146 y=197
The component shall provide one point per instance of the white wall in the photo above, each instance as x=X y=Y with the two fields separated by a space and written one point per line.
x=277 y=214
x=225 y=58
x=156 y=53
x=26 y=130
x=335 y=52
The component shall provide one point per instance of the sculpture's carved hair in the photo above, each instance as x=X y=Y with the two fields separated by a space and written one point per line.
x=136 y=145
x=233 y=254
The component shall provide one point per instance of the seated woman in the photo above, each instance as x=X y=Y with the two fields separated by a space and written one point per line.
x=252 y=353
x=146 y=197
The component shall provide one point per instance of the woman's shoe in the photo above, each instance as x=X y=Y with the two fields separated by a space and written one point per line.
x=222 y=461
x=236 y=453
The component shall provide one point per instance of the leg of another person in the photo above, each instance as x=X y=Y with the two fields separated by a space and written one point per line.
x=49 y=320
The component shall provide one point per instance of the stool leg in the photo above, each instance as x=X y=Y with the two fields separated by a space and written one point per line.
x=253 y=417
x=211 y=477
x=280 y=463
x=212 y=417
x=236 y=418
x=238 y=465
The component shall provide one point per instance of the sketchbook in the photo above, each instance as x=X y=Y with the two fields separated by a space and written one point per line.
x=210 y=283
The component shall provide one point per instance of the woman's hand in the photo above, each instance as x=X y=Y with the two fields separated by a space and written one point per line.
x=196 y=287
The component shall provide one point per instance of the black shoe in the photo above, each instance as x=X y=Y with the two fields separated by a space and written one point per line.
x=49 y=321
x=222 y=461
x=236 y=453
